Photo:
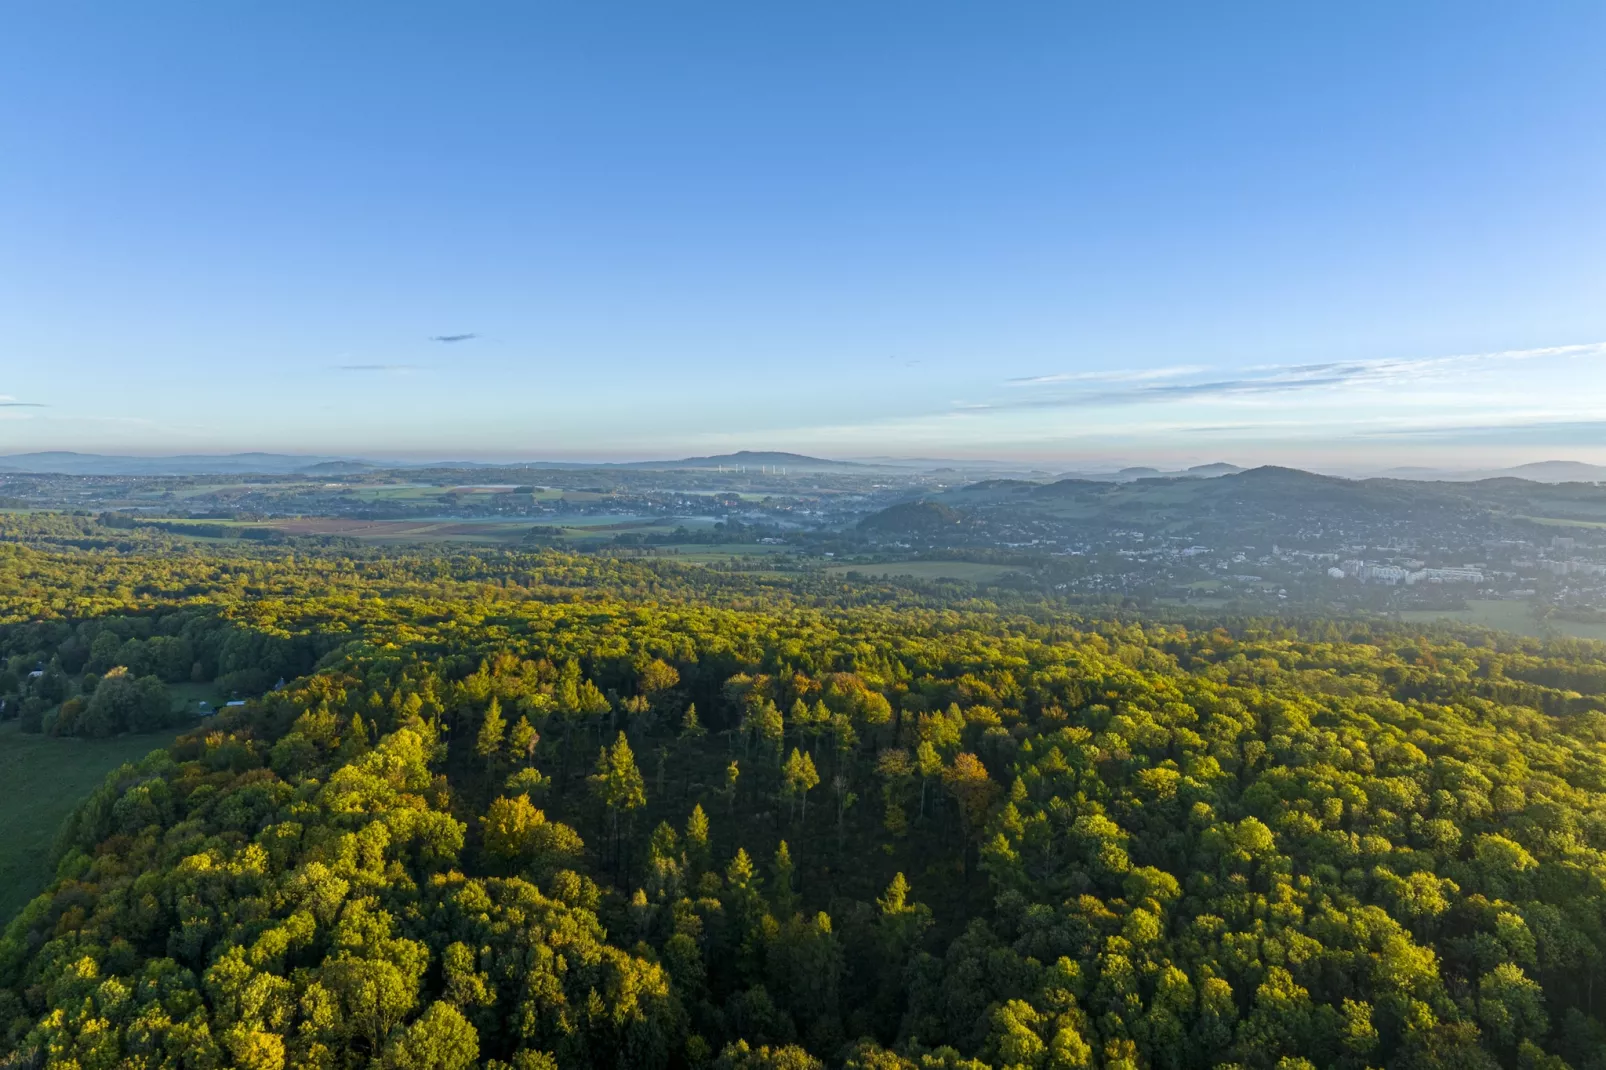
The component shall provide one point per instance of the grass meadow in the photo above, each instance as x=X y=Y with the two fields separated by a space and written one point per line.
x=41 y=779
x=969 y=571
x=1509 y=617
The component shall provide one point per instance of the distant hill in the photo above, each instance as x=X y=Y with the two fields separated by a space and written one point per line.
x=94 y=464
x=954 y=465
x=749 y=459
x=911 y=518
x=1558 y=472
x=339 y=468
x=239 y=464
x=1269 y=504
x=1537 y=472
x=1267 y=500
x=1198 y=471
x=989 y=485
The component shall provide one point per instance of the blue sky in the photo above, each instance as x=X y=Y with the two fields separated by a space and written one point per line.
x=1324 y=234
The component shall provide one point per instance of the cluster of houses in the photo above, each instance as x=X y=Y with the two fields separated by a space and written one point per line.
x=1393 y=575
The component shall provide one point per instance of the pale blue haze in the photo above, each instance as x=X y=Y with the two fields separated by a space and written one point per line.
x=852 y=229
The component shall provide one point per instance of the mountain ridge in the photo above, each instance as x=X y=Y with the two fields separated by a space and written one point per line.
x=67 y=462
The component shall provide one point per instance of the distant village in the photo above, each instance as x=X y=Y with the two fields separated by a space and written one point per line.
x=1516 y=566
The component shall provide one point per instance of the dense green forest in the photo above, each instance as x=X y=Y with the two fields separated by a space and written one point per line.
x=534 y=809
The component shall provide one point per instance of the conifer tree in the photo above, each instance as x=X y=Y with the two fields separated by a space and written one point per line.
x=929 y=764
x=355 y=742
x=489 y=743
x=798 y=720
x=732 y=772
x=782 y=895
x=522 y=740
x=770 y=727
x=897 y=895
x=697 y=840
x=618 y=786
x=799 y=778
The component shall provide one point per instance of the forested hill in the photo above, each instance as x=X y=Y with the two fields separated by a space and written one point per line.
x=1262 y=495
x=532 y=810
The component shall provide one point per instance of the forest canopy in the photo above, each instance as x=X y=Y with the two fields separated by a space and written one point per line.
x=533 y=810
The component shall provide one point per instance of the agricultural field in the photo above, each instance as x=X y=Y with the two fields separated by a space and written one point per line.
x=41 y=779
x=608 y=523
x=718 y=553
x=578 y=527
x=201 y=489
x=969 y=571
x=392 y=531
x=403 y=492
x=1515 y=617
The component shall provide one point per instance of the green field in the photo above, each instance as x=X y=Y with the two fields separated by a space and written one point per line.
x=928 y=570
x=397 y=492
x=186 y=696
x=197 y=491
x=717 y=553
x=41 y=780
x=1508 y=617
x=581 y=528
x=600 y=523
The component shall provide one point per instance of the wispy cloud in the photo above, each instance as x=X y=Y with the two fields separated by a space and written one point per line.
x=1559 y=431
x=1583 y=349
x=9 y=402
x=1139 y=395
x=1081 y=389
x=1132 y=376
x=394 y=369
x=450 y=338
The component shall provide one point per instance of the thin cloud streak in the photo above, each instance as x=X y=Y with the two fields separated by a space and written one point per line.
x=1168 y=392
x=1136 y=376
x=450 y=339
x=1277 y=379
x=398 y=369
x=1516 y=428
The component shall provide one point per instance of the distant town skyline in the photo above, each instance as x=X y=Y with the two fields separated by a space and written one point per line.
x=1342 y=238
